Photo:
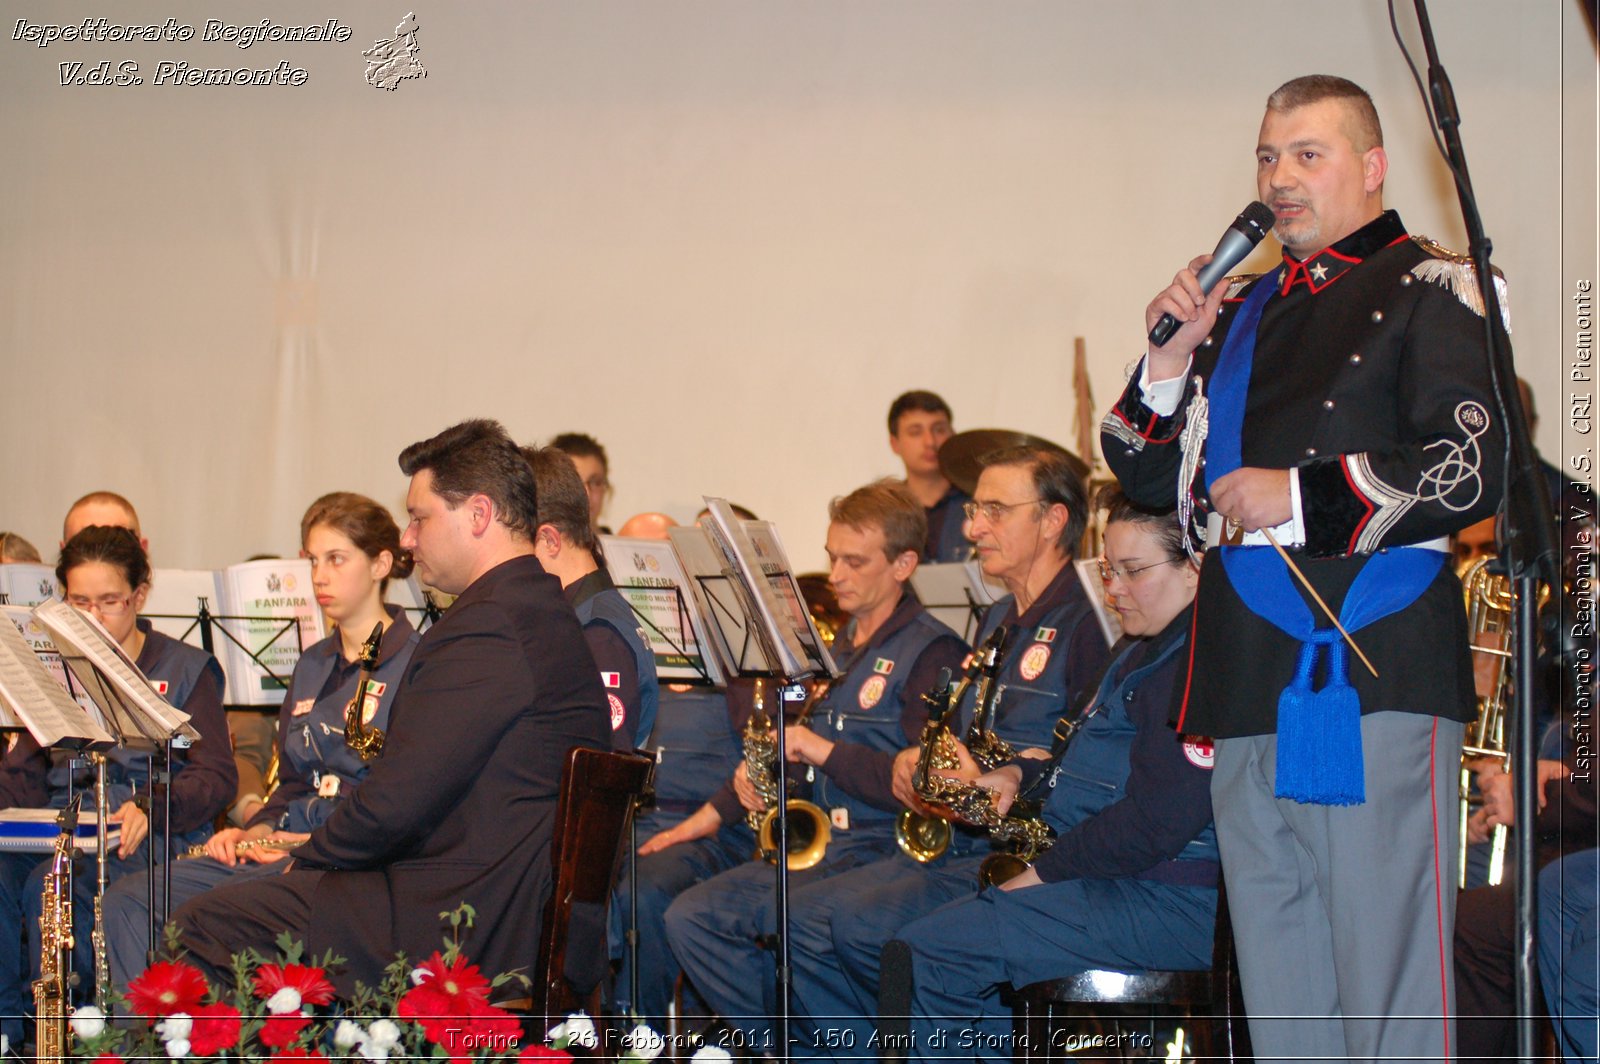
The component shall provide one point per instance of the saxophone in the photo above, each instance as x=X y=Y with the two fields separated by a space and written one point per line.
x=1021 y=830
x=52 y=990
x=809 y=827
x=366 y=741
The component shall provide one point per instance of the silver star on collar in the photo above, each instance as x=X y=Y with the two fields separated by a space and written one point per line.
x=1320 y=272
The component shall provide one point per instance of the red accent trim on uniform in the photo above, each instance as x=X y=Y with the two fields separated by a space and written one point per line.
x=1188 y=679
x=1344 y=467
x=1143 y=434
x=1402 y=238
x=1438 y=900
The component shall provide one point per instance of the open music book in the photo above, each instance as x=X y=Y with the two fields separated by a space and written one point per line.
x=131 y=707
x=648 y=575
x=30 y=697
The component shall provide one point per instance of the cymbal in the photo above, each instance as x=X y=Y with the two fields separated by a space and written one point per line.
x=958 y=458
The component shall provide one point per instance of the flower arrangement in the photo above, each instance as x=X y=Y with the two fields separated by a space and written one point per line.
x=284 y=1010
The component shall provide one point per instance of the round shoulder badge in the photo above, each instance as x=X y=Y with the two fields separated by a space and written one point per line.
x=619 y=712
x=872 y=691
x=1200 y=752
x=1034 y=659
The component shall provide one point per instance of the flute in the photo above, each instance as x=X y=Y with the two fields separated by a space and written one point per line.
x=268 y=842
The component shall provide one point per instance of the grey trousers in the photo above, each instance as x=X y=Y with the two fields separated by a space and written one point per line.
x=1343 y=914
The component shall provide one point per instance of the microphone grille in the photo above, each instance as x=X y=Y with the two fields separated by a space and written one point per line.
x=1258 y=216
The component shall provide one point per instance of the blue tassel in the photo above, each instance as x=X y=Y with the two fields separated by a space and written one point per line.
x=1319 y=732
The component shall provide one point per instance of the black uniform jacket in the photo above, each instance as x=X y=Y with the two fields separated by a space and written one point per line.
x=1369 y=376
x=461 y=804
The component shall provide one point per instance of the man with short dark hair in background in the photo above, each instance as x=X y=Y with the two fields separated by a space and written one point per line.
x=919 y=423
x=565 y=545
x=594 y=469
x=461 y=805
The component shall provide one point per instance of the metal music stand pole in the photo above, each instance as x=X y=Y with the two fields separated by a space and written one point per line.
x=1529 y=548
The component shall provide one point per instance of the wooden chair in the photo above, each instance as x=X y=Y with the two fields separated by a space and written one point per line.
x=1209 y=1000
x=598 y=793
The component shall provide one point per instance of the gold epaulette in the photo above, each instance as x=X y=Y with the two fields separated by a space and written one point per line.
x=1456 y=274
x=1237 y=283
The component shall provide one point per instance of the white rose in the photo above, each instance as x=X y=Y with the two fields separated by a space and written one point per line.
x=178 y=1025
x=87 y=1022
x=420 y=976
x=178 y=1047
x=284 y=1001
x=577 y=1030
x=643 y=1044
x=712 y=1055
x=347 y=1035
x=384 y=1033
x=375 y=1053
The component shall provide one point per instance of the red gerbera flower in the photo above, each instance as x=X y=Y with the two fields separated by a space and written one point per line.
x=310 y=983
x=485 y=1027
x=107 y=1058
x=167 y=987
x=215 y=1028
x=298 y=1054
x=446 y=993
x=283 y=1030
x=543 y=1052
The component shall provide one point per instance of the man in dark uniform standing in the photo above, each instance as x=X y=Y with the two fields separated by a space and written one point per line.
x=1343 y=409
x=566 y=546
x=461 y=804
x=919 y=423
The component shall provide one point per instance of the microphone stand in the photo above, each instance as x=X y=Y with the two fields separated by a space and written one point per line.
x=1529 y=548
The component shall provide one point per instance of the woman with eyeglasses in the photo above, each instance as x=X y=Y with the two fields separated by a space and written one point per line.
x=353 y=545
x=105 y=573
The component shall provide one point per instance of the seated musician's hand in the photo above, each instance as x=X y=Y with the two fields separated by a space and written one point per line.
x=282 y=843
x=1499 y=800
x=1028 y=878
x=699 y=824
x=220 y=847
x=747 y=790
x=135 y=826
x=1004 y=782
x=1478 y=827
x=805 y=746
x=905 y=766
x=1545 y=772
x=967 y=770
x=1254 y=498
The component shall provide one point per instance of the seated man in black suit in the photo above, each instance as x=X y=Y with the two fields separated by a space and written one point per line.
x=461 y=804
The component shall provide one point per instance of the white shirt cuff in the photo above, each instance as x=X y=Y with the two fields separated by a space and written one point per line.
x=1297 y=522
x=1162 y=396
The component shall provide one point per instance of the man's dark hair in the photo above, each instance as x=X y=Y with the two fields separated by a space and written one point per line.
x=582 y=445
x=478 y=458
x=1057 y=481
x=1365 y=132
x=563 y=504
x=1162 y=524
x=927 y=402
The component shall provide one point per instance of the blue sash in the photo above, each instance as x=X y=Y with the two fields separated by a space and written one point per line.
x=1319 y=730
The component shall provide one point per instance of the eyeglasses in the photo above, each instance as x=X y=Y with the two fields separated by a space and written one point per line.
x=1108 y=574
x=105 y=605
x=994 y=511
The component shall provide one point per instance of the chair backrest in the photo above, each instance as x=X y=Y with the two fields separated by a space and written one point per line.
x=599 y=789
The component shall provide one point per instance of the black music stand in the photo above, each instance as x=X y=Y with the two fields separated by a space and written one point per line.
x=756 y=567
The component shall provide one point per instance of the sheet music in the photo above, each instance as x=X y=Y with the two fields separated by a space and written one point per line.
x=754 y=549
x=131 y=707
x=718 y=600
x=647 y=573
x=275 y=594
x=31 y=698
x=955 y=592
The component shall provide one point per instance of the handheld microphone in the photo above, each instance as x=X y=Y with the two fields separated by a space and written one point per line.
x=1237 y=242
